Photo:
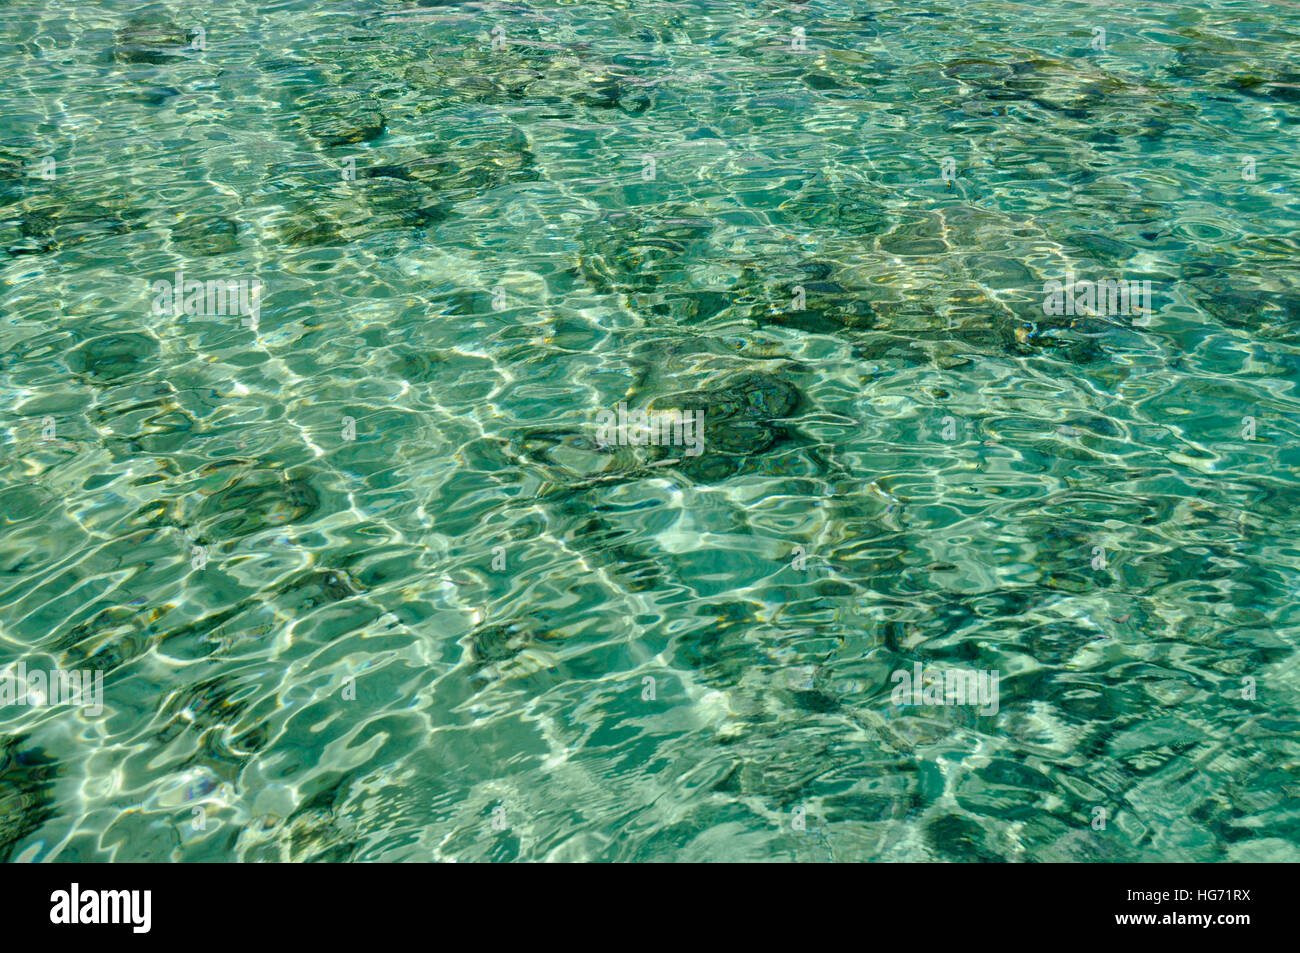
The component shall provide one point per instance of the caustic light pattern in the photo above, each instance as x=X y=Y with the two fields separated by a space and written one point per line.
x=644 y=431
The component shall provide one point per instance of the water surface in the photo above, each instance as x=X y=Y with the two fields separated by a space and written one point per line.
x=363 y=584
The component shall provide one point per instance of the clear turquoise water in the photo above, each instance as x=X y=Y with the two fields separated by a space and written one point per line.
x=350 y=673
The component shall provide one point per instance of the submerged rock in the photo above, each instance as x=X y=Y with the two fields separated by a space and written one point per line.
x=626 y=253
x=959 y=838
x=817 y=206
x=984 y=74
x=310 y=230
x=205 y=235
x=742 y=418
x=509 y=650
x=1282 y=86
x=401 y=202
x=1058 y=86
x=155 y=95
x=50 y=220
x=213 y=703
x=477 y=162
x=318 y=834
x=496 y=643
x=12 y=165
x=152 y=41
x=338 y=118
x=477 y=81
x=783 y=776
x=829 y=307
x=115 y=636
x=17 y=177
x=612 y=93
x=316 y=588
x=26 y=792
x=112 y=357
x=255 y=501
x=741 y=414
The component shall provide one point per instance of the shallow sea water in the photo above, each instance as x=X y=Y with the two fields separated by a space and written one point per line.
x=359 y=576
